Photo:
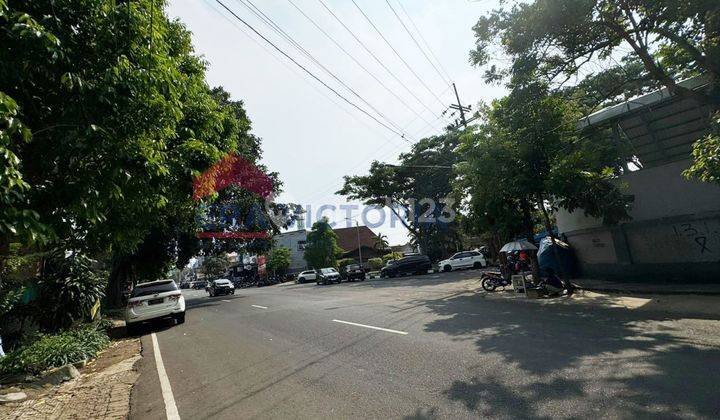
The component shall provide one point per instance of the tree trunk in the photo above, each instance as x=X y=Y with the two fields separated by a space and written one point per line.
x=121 y=276
x=527 y=222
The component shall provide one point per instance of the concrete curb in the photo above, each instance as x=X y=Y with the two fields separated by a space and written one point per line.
x=648 y=291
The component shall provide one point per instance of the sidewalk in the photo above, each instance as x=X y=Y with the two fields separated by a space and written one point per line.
x=101 y=392
x=648 y=288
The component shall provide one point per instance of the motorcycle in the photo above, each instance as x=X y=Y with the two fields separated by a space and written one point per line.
x=491 y=280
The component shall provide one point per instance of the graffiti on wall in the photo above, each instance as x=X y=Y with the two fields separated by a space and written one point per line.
x=699 y=233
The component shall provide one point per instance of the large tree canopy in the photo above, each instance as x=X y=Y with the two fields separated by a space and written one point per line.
x=321 y=249
x=554 y=39
x=105 y=120
x=417 y=190
x=527 y=159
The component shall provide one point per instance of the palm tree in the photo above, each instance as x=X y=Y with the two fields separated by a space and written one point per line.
x=381 y=242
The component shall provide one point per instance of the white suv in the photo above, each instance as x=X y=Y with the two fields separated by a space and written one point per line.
x=154 y=300
x=465 y=259
x=306 y=276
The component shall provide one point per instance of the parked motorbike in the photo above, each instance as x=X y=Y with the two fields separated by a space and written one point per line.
x=491 y=280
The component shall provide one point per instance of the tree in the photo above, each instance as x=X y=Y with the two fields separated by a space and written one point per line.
x=706 y=153
x=321 y=249
x=105 y=119
x=279 y=260
x=531 y=147
x=215 y=265
x=381 y=242
x=554 y=39
x=416 y=191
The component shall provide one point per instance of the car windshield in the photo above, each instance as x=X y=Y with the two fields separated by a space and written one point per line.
x=151 y=289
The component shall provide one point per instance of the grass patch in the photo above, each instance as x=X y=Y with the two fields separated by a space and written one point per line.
x=49 y=351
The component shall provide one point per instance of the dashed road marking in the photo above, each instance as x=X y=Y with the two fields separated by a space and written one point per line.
x=225 y=300
x=258 y=306
x=371 y=327
x=171 y=411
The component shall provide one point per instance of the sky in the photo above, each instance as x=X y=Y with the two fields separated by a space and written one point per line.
x=313 y=137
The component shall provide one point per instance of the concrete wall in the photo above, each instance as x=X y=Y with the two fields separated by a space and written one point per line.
x=674 y=234
x=292 y=241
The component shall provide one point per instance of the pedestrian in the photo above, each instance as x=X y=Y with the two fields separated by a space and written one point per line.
x=2 y=353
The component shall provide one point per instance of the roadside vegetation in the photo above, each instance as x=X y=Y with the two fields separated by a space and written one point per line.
x=105 y=120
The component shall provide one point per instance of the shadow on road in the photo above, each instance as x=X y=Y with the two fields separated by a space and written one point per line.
x=580 y=358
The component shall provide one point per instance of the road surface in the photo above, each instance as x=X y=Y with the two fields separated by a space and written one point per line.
x=422 y=348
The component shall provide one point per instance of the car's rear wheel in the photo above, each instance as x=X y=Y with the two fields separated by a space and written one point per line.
x=477 y=265
x=131 y=329
x=180 y=318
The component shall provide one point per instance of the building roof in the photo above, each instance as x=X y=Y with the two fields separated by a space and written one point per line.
x=347 y=238
x=656 y=128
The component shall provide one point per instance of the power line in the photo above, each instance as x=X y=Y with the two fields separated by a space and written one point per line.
x=422 y=38
x=268 y=21
x=278 y=49
x=356 y=61
x=362 y=44
x=416 y=42
x=397 y=53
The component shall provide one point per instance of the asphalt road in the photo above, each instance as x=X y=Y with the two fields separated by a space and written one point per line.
x=295 y=351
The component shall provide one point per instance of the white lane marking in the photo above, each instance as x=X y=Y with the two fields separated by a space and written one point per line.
x=225 y=300
x=371 y=327
x=258 y=306
x=171 y=411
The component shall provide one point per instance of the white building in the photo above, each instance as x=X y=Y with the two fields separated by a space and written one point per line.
x=295 y=241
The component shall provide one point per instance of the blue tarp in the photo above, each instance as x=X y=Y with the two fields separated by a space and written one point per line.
x=563 y=264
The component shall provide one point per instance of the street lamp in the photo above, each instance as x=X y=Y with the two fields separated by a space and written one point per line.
x=357 y=229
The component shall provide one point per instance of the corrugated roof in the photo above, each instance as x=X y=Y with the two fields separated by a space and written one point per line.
x=656 y=128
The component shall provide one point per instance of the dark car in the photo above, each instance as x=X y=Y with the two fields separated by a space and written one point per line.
x=327 y=276
x=352 y=272
x=413 y=264
x=220 y=287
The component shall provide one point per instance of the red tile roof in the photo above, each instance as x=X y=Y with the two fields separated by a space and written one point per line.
x=347 y=238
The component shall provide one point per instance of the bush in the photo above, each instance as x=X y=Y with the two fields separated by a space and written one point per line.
x=67 y=289
x=375 y=263
x=391 y=256
x=49 y=351
x=345 y=262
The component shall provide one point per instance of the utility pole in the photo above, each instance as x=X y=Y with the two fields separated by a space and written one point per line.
x=357 y=228
x=459 y=107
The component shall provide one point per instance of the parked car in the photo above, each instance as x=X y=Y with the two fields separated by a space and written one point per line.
x=306 y=276
x=154 y=300
x=220 y=287
x=328 y=276
x=465 y=259
x=352 y=272
x=414 y=264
